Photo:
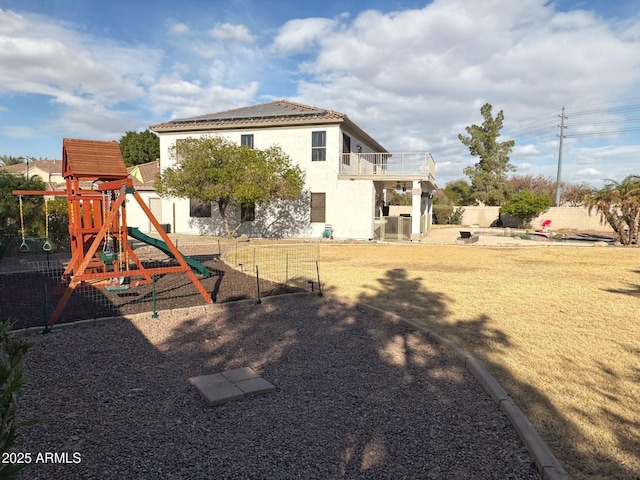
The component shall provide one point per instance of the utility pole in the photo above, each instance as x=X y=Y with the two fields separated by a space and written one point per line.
x=562 y=135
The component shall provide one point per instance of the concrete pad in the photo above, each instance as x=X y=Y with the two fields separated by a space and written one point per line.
x=254 y=386
x=224 y=387
x=240 y=374
x=216 y=389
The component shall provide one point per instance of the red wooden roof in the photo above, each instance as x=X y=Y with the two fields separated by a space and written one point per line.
x=92 y=160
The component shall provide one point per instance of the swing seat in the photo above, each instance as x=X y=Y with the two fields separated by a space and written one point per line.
x=116 y=288
x=107 y=257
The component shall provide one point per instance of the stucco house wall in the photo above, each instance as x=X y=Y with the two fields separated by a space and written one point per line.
x=349 y=204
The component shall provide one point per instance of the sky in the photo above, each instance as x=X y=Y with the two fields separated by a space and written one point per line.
x=413 y=74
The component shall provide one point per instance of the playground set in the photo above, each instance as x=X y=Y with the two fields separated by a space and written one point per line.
x=101 y=254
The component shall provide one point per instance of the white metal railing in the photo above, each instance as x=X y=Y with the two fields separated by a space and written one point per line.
x=417 y=163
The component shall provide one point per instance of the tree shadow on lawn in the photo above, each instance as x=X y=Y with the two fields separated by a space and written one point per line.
x=633 y=290
x=398 y=293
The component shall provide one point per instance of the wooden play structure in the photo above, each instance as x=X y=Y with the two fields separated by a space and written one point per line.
x=97 y=186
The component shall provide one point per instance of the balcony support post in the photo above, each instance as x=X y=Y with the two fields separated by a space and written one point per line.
x=416 y=210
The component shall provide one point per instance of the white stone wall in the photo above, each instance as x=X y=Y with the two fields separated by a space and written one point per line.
x=561 y=218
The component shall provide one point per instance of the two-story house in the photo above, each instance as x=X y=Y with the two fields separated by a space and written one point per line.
x=347 y=175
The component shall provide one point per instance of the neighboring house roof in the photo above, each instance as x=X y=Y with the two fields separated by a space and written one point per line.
x=48 y=167
x=279 y=113
x=144 y=175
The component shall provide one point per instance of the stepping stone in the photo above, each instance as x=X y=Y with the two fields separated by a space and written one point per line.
x=216 y=389
x=254 y=386
x=224 y=387
x=239 y=374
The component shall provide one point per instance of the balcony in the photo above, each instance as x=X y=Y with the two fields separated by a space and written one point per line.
x=389 y=167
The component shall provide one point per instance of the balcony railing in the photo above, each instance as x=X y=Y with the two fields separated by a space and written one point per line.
x=419 y=164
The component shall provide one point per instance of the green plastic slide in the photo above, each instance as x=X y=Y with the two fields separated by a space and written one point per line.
x=163 y=247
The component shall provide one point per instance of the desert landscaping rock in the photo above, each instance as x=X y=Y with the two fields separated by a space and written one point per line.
x=357 y=397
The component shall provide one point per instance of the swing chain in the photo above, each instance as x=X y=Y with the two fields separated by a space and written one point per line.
x=24 y=246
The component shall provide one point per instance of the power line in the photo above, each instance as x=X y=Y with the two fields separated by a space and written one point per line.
x=603 y=121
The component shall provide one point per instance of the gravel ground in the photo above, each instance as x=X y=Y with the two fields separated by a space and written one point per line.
x=28 y=297
x=357 y=397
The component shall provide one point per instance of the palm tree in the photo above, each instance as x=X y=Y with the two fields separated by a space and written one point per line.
x=618 y=203
x=7 y=160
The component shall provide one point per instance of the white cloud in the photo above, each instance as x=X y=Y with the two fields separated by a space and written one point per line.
x=175 y=97
x=179 y=28
x=18 y=131
x=592 y=172
x=227 y=31
x=301 y=34
x=40 y=57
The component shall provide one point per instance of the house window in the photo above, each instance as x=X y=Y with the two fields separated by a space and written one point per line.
x=198 y=208
x=318 y=146
x=246 y=141
x=318 y=207
x=247 y=212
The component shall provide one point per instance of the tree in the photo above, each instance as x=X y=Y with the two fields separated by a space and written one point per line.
x=395 y=197
x=574 y=194
x=526 y=205
x=531 y=183
x=139 y=147
x=32 y=206
x=489 y=174
x=619 y=205
x=459 y=192
x=7 y=160
x=214 y=169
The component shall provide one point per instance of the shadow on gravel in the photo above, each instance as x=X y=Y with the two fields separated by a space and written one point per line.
x=357 y=397
x=399 y=293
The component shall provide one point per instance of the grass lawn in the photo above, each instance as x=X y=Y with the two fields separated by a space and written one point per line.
x=559 y=327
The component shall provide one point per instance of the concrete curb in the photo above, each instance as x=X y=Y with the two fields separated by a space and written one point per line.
x=547 y=464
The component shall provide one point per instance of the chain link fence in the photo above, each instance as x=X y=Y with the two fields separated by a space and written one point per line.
x=31 y=283
x=291 y=264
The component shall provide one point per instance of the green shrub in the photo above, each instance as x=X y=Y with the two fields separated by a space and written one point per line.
x=442 y=214
x=526 y=205
x=456 y=217
x=59 y=224
x=12 y=350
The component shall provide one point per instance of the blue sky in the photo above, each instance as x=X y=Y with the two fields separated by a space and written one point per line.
x=411 y=73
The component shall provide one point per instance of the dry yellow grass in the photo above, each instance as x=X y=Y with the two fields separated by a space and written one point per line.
x=559 y=327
